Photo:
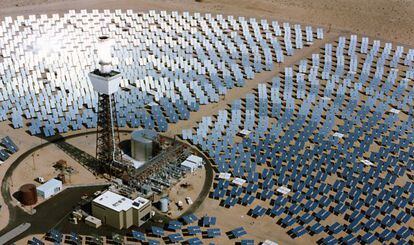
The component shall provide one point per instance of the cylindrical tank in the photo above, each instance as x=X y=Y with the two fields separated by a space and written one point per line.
x=28 y=194
x=164 y=201
x=142 y=143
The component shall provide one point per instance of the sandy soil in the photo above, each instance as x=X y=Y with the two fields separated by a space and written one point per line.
x=178 y=193
x=376 y=18
x=41 y=163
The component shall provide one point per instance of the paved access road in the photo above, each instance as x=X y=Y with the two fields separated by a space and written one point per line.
x=14 y=233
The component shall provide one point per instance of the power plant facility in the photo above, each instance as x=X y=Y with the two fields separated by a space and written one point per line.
x=137 y=126
x=155 y=163
x=152 y=155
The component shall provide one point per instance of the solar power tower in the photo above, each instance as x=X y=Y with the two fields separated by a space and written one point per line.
x=106 y=81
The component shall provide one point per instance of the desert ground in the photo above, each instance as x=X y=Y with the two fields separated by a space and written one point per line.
x=178 y=193
x=375 y=18
x=41 y=164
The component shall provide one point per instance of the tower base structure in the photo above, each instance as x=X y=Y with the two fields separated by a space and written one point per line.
x=107 y=133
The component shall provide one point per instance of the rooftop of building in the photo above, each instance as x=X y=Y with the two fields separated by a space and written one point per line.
x=52 y=183
x=119 y=203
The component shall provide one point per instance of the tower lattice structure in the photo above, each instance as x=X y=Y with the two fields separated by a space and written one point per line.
x=107 y=133
x=106 y=82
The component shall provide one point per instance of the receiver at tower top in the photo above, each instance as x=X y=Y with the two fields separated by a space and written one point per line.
x=105 y=80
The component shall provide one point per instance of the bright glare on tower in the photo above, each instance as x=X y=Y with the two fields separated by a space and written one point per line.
x=104 y=54
x=105 y=80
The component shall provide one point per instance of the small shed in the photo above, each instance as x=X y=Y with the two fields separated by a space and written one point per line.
x=284 y=190
x=244 y=133
x=50 y=188
x=195 y=159
x=239 y=181
x=93 y=221
x=189 y=166
x=225 y=176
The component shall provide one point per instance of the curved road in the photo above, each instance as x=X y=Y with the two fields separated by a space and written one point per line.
x=5 y=190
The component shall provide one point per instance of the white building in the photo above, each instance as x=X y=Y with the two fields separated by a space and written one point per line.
x=195 y=159
x=225 y=176
x=238 y=181
x=268 y=242
x=189 y=166
x=50 y=188
x=192 y=163
x=121 y=212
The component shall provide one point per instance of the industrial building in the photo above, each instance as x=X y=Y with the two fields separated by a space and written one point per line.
x=143 y=144
x=121 y=212
x=50 y=188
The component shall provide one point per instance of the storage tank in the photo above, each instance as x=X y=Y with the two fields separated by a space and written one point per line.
x=28 y=194
x=142 y=144
x=164 y=201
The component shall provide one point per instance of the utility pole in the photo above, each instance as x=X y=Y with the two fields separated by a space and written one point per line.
x=33 y=158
